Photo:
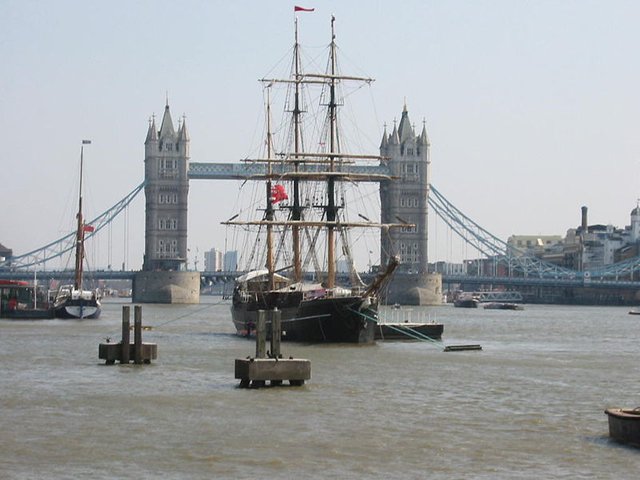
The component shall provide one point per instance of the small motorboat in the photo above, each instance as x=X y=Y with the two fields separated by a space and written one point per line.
x=624 y=425
x=466 y=300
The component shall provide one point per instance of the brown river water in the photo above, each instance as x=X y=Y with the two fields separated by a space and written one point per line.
x=528 y=406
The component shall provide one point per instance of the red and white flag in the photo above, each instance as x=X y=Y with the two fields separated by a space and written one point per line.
x=278 y=194
x=302 y=9
x=88 y=228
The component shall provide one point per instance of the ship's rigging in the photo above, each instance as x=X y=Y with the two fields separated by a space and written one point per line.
x=308 y=231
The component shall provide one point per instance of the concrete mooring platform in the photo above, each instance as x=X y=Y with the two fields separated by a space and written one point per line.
x=125 y=351
x=256 y=372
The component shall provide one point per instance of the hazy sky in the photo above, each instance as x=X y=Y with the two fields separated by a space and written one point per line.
x=531 y=106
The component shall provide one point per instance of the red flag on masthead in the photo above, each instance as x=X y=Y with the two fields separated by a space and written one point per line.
x=278 y=194
x=88 y=228
x=302 y=9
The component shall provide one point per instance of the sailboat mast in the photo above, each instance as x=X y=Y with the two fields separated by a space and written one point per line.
x=77 y=283
x=331 y=211
x=269 y=214
x=296 y=213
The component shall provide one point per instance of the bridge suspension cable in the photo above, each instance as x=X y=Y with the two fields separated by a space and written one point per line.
x=514 y=259
x=67 y=243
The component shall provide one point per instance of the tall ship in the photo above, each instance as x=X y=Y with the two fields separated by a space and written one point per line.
x=74 y=301
x=302 y=230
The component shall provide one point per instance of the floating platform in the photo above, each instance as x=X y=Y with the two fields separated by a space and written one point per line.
x=502 y=306
x=257 y=371
x=461 y=348
x=110 y=352
x=624 y=425
x=408 y=331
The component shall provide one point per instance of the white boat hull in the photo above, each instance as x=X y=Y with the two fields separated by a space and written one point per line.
x=79 y=311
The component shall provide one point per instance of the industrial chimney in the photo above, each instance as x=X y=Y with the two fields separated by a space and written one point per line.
x=584 y=220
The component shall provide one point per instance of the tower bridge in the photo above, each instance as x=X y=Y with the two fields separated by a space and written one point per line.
x=168 y=171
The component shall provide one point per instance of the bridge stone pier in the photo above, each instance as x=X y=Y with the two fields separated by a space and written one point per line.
x=164 y=278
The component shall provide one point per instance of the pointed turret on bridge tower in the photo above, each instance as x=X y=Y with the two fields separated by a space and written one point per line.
x=164 y=278
x=408 y=158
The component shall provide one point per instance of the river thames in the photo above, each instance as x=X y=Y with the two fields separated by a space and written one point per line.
x=528 y=406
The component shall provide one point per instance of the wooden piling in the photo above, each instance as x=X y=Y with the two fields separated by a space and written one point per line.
x=276 y=332
x=124 y=354
x=261 y=334
x=137 y=335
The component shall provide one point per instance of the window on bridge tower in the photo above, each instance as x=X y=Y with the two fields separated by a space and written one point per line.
x=409 y=171
x=168 y=224
x=168 y=168
x=167 y=249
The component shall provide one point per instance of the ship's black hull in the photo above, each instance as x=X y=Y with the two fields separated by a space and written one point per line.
x=319 y=320
x=78 y=308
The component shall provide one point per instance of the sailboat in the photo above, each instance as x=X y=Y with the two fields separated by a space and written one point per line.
x=72 y=301
x=304 y=230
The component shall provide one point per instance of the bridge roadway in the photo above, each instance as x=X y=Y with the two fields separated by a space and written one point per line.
x=470 y=280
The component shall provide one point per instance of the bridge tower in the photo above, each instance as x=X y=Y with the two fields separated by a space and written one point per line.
x=164 y=278
x=406 y=200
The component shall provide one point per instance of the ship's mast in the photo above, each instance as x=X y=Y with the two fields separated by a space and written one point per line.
x=296 y=213
x=77 y=283
x=331 y=209
x=269 y=215
x=323 y=166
